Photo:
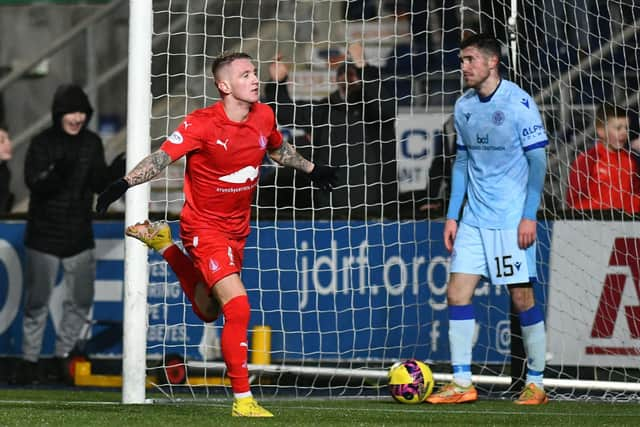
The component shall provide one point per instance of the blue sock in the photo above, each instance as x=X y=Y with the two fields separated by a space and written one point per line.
x=535 y=343
x=462 y=324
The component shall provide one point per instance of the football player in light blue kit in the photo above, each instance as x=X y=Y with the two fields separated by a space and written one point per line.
x=499 y=167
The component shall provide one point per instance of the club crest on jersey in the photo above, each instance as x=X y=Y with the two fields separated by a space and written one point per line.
x=498 y=118
x=262 y=141
x=175 y=138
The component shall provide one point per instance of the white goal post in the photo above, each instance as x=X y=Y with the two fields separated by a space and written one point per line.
x=136 y=275
x=342 y=287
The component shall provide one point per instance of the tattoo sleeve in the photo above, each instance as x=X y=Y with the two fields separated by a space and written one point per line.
x=287 y=155
x=148 y=168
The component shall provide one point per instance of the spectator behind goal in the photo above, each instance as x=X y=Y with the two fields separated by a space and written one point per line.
x=605 y=178
x=6 y=197
x=64 y=168
x=353 y=128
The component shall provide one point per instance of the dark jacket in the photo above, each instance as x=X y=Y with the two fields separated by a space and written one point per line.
x=6 y=197
x=357 y=135
x=439 y=179
x=63 y=172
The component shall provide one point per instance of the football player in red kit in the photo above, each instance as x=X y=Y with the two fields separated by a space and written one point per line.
x=224 y=145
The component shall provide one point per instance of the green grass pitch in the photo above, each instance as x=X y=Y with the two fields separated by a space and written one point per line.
x=31 y=407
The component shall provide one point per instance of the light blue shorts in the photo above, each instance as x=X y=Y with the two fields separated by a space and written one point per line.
x=493 y=254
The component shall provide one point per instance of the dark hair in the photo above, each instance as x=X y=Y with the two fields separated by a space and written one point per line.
x=609 y=110
x=225 y=59
x=484 y=42
x=346 y=69
x=3 y=126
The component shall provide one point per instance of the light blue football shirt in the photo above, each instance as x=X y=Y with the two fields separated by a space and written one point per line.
x=496 y=132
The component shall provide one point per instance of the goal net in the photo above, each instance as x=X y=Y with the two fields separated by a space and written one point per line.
x=342 y=286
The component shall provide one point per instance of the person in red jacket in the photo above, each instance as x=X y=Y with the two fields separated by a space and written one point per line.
x=606 y=177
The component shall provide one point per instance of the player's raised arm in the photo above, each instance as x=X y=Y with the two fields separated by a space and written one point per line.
x=146 y=170
x=324 y=176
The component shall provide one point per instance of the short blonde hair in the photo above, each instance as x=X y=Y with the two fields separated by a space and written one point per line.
x=225 y=59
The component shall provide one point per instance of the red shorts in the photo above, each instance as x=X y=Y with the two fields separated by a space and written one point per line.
x=216 y=255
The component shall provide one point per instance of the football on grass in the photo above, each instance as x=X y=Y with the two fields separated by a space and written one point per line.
x=410 y=381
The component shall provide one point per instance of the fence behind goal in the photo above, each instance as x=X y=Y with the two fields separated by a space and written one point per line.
x=339 y=289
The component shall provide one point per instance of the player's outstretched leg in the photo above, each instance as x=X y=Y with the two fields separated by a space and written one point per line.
x=532 y=395
x=157 y=235
x=454 y=393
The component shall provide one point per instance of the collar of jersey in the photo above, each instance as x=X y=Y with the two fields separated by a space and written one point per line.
x=488 y=97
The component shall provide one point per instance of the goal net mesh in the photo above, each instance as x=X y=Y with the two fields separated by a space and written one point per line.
x=343 y=285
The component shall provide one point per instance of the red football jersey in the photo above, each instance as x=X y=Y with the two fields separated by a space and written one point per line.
x=223 y=164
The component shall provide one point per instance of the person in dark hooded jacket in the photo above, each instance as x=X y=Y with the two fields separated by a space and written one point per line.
x=64 y=167
x=6 y=197
x=352 y=129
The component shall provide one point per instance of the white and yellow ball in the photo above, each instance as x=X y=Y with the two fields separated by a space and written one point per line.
x=410 y=381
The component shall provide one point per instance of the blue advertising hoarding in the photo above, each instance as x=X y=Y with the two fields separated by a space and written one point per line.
x=329 y=290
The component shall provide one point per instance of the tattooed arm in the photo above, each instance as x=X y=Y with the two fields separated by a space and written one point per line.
x=286 y=155
x=144 y=171
x=148 y=168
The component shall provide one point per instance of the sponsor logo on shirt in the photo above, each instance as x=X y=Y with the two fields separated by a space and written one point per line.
x=224 y=144
x=186 y=124
x=175 y=138
x=525 y=102
x=534 y=130
x=467 y=116
x=483 y=144
x=247 y=173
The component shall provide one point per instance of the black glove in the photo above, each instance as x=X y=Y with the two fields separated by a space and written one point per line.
x=324 y=177
x=113 y=192
x=118 y=166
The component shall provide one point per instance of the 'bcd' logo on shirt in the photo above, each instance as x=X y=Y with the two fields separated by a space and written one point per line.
x=482 y=139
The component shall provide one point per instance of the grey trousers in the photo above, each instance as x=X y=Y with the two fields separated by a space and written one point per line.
x=41 y=272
